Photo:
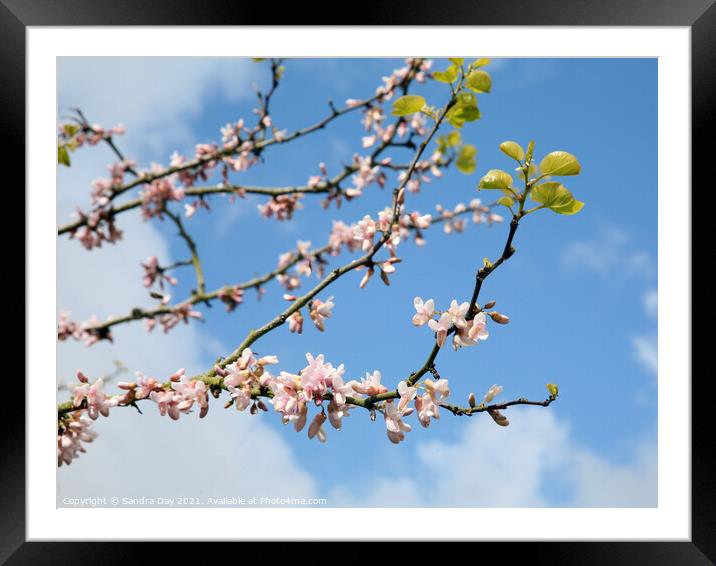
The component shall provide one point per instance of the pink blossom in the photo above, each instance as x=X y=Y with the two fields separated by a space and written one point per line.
x=145 y=385
x=368 y=141
x=190 y=391
x=340 y=389
x=180 y=313
x=101 y=192
x=364 y=232
x=336 y=412
x=316 y=427
x=369 y=385
x=66 y=328
x=167 y=402
x=474 y=330
x=342 y=235
x=407 y=394
x=426 y=409
x=320 y=311
x=92 y=395
x=394 y=424
x=318 y=376
x=231 y=297
x=241 y=396
x=441 y=327
x=492 y=392
x=158 y=193
x=153 y=272
x=438 y=390
x=457 y=313
x=424 y=311
x=300 y=421
x=368 y=274
x=73 y=431
x=282 y=206
x=295 y=322
x=286 y=398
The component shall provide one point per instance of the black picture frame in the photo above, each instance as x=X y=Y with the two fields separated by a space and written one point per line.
x=699 y=15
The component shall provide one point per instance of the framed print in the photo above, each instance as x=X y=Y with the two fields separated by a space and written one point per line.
x=421 y=278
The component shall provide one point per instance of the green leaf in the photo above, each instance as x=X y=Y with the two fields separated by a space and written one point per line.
x=454 y=138
x=408 y=104
x=63 y=156
x=496 y=179
x=70 y=129
x=506 y=201
x=553 y=389
x=530 y=150
x=513 y=150
x=479 y=81
x=466 y=99
x=459 y=115
x=466 y=162
x=457 y=61
x=572 y=207
x=481 y=62
x=464 y=110
x=560 y=163
x=449 y=75
x=556 y=197
x=258 y=59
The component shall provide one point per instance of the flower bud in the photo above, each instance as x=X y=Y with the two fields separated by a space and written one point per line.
x=366 y=278
x=82 y=377
x=499 y=318
x=384 y=277
x=499 y=418
x=176 y=376
x=253 y=410
x=401 y=196
x=490 y=304
x=471 y=400
x=228 y=403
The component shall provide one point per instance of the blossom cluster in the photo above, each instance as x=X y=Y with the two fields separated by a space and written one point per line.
x=453 y=222
x=98 y=227
x=281 y=207
x=248 y=379
x=467 y=330
x=359 y=236
x=84 y=332
x=180 y=313
x=76 y=135
x=154 y=273
x=73 y=431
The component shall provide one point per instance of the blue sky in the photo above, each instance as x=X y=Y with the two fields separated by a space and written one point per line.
x=580 y=290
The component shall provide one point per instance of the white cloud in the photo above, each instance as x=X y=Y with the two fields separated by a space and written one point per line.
x=517 y=466
x=155 y=98
x=651 y=303
x=646 y=352
x=146 y=455
x=610 y=254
